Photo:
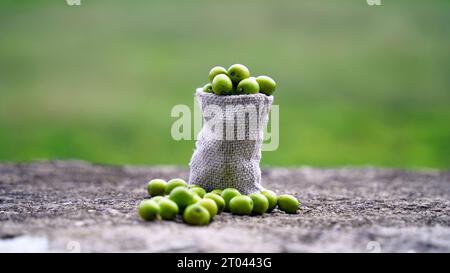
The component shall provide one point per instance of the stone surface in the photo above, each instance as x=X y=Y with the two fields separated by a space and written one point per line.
x=72 y=206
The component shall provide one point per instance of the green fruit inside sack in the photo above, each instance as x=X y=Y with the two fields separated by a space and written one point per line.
x=266 y=85
x=222 y=85
x=208 y=88
x=248 y=86
x=238 y=72
x=216 y=71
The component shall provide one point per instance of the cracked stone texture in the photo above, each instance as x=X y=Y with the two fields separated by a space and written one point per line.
x=71 y=206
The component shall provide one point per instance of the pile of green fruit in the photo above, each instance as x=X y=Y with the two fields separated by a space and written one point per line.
x=197 y=207
x=237 y=81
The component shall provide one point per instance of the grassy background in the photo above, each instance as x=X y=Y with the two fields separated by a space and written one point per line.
x=357 y=85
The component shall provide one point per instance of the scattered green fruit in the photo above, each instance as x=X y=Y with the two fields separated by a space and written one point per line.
x=210 y=205
x=199 y=191
x=173 y=183
x=238 y=72
x=196 y=197
x=183 y=197
x=168 y=209
x=220 y=202
x=260 y=203
x=272 y=198
x=227 y=195
x=148 y=210
x=242 y=205
x=196 y=215
x=208 y=88
x=266 y=85
x=158 y=198
x=288 y=203
x=222 y=85
x=216 y=71
x=156 y=187
x=217 y=191
x=248 y=86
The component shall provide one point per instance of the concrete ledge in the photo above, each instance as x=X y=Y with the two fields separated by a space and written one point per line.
x=76 y=206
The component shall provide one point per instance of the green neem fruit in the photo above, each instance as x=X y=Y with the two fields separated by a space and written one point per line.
x=227 y=194
x=156 y=187
x=260 y=203
x=182 y=196
x=157 y=198
x=238 y=72
x=168 y=209
x=248 y=86
x=266 y=85
x=196 y=197
x=272 y=198
x=222 y=85
x=199 y=191
x=216 y=70
x=173 y=183
x=242 y=205
x=220 y=202
x=196 y=215
x=148 y=210
x=210 y=205
x=217 y=191
x=208 y=88
x=288 y=203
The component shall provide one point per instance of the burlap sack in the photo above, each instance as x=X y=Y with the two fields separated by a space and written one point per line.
x=228 y=147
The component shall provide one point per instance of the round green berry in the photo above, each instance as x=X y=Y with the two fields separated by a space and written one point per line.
x=238 y=72
x=242 y=205
x=158 y=198
x=248 y=86
x=210 y=205
x=288 y=203
x=168 y=209
x=196 y=215
x=156 y=187
x=220 y=202
x=216 y=70
x=222 y=85
x=260 y=203
x=183 y=197
x=148 y=210
x=208 y=88
x=174 y=183
x=227 y=195
x=199 y=191
x=272 y=198
x=217 y=191
x=266 y=85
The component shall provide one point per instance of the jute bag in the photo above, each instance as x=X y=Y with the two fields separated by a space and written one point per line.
x=228 y=147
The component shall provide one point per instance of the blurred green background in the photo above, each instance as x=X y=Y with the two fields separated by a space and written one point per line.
x=357 y=85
